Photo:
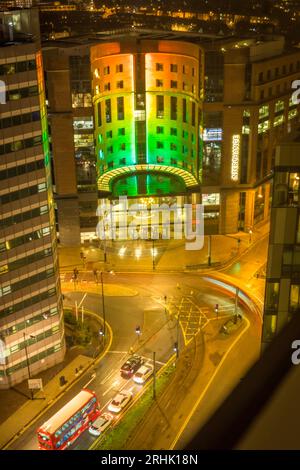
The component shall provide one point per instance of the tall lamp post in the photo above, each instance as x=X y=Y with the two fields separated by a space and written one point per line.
x=27 y=360
x=103 y=304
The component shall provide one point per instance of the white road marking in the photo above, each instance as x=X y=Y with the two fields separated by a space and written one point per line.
x=84 y=296
x=91 y=380
x=105 y=379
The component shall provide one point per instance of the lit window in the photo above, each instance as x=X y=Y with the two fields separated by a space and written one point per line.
x=119 y=68
x=278 y=120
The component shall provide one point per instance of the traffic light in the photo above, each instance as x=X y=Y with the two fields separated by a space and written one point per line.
x=217 y=308
x=138 y=330
x=176 y=347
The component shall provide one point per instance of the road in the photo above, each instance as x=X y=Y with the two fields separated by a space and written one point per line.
x=187 y=294
x=243 y=269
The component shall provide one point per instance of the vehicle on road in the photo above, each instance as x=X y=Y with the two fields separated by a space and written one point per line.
x=231 y=325
x=100 y=424
x=143 y=373
x=120 y=401
x=131 y=366
x=65 y=426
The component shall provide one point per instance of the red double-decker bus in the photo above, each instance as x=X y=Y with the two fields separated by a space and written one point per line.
x=67 y=424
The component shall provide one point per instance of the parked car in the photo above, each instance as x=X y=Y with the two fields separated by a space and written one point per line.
x=143 y=374
x=131 y=366
x=100 y=424
x=120 y=401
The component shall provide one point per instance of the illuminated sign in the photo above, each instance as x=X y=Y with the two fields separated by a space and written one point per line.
x=211 y=134
x=235 y=157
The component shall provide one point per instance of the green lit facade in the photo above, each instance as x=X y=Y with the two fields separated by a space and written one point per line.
x=147 y=105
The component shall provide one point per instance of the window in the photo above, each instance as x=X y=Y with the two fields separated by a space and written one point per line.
x=173 y=131
x=263 y=111
x=291 y=67
x=159 y=67
x=121 y=131
x=108 y=134
x=120 y=84
x=108 y=110
x=262 y=94
x=173 y=68
x=193 y=114
x=173 y=161
x=194 y=89
x=159 y=130
x=106 y=70
x=173 y=84
x=159 y=83
x=276 y=72
x=123 y=146
x=193 y=71
x=120 y=108
x=159 y=159
x=159 y=145
x=159 y=106
x=295 y=297
x=261 y=77
x=122 y=161
x=173 y=108
x=279 y=106
x=173 y=146
x=184 y=69
x=110 y=149
x=268 y=74
x=107 y=86
x=119 y=68
x=270 y=91
x=185 y=86
x=284 y=69
x=184 y=110
x=278 y=120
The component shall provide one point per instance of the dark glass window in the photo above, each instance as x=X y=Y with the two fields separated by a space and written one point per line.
x=120 y=108
x=173 y=115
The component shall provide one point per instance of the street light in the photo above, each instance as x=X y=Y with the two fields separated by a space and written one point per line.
x=103 y=303
x=27 y=360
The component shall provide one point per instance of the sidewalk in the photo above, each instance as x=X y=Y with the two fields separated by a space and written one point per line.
x=30 y=410
x=130 y=255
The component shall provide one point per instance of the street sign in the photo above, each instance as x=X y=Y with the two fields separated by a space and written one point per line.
x=35 y=384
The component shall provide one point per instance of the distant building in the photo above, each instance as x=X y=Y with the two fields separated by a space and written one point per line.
x=282 y=298
x=31 y=313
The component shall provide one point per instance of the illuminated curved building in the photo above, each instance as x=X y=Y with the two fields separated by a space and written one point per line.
x=147 y=105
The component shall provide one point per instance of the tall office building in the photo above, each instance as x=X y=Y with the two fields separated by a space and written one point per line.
x=31 y=315
x=282 y=298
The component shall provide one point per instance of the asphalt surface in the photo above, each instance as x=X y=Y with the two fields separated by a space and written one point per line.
x=187 y=295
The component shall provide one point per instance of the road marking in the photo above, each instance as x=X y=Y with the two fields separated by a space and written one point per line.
x=107 y=377
x=208 y=385
x=84 y=296
x=91 y=380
